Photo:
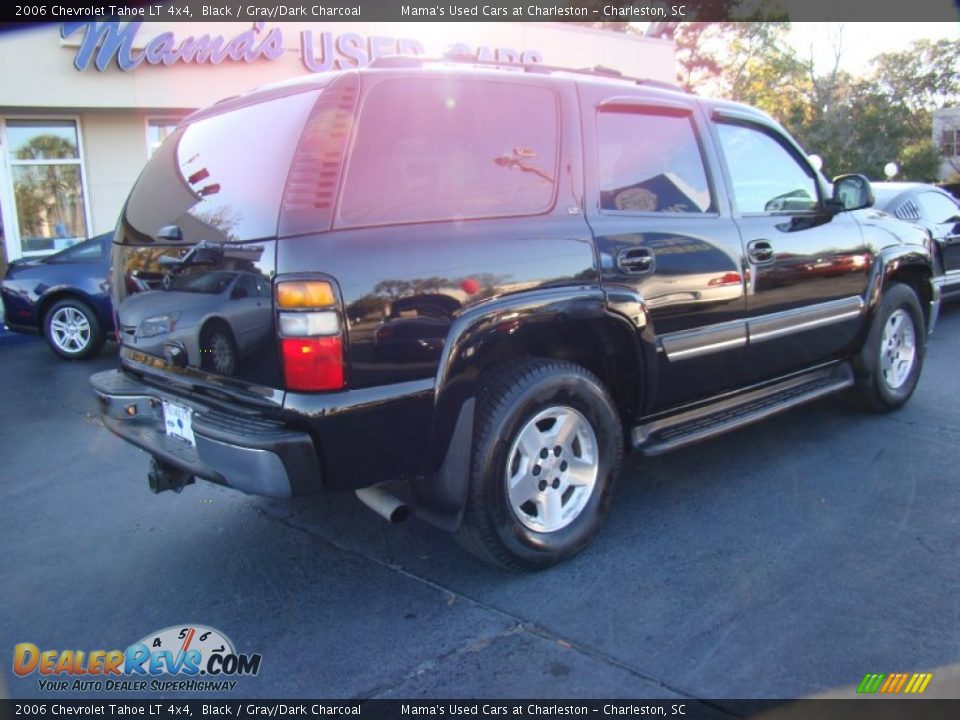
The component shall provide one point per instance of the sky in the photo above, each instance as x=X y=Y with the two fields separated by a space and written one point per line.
x=861 y=41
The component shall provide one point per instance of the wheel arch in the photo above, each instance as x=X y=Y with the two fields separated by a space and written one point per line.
x=906 y=265
x=572 y=324
x=212 y=321
x=54 y=295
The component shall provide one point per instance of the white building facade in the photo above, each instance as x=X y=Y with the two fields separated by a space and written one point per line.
x=946 y=136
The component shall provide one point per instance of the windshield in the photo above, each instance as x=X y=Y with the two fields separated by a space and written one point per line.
x=209 y=283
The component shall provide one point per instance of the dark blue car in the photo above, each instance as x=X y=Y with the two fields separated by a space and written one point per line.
x=65 y=296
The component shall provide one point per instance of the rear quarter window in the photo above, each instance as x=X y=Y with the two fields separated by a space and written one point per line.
x=444 y=149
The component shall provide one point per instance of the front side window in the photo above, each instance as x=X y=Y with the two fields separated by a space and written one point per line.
x=650 y=163
x=445 y=149
x=45 y=167
x=766 y=177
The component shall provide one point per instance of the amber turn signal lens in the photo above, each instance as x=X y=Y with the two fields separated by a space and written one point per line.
x=304 y=294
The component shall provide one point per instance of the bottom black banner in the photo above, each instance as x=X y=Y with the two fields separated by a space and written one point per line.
x=679 y=708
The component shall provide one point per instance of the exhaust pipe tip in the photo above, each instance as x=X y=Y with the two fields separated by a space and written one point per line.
x=389 y=507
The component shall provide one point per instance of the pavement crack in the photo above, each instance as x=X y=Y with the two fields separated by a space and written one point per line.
x=476 y=645
x=925 y=546
x=517 y=623
x=926 y=426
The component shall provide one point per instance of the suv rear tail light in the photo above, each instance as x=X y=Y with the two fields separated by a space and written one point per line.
x=311 y=337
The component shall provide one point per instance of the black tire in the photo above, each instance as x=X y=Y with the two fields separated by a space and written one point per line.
x=73 y=330
x=877 y=389
x=218 y=349
x=509 y=400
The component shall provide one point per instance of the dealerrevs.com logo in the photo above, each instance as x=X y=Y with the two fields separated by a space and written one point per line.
x=199 y=658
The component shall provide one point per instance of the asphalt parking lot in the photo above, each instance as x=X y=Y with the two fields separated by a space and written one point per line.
x=783 y=560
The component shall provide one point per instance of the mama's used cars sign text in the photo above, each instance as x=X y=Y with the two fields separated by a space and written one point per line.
x=103 y=43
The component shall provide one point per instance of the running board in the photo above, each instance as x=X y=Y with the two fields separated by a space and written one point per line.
x=676 y=431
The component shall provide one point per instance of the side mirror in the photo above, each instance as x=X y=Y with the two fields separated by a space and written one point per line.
x=171 y=233
x=852 y=192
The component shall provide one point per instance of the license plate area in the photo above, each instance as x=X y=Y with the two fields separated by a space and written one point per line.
x=178 y=422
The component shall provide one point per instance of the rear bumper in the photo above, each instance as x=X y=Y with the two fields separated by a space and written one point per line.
x=247 y=453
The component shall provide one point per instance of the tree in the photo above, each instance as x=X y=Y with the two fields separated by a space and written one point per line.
x=924 y=78
x=891 y=110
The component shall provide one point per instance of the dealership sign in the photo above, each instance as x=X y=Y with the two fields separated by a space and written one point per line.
x=105 y=42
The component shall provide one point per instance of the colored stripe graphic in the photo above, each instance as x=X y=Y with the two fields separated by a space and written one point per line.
x=894 y=683
x=918 y=683
x=870 y=683
x=913 y=683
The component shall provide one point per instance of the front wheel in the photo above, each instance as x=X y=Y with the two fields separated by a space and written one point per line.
x=890 y=362
x=547 y=449
x=218 y=350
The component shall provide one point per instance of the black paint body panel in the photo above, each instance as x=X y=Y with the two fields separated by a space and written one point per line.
x=666 y=307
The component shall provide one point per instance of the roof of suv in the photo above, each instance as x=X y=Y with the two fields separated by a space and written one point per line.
x=534 y=72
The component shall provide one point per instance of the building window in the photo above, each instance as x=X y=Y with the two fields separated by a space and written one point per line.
x=46 y=167
x=950 y=143
x=158 y=130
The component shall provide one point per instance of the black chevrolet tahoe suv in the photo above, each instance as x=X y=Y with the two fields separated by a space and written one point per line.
x=486 y=282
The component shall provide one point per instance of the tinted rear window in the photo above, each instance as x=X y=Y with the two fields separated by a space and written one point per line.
x=221 y=178
x=442 y=149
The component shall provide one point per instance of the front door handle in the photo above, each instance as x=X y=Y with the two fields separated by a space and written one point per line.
x=634 y=261
x=760 y=252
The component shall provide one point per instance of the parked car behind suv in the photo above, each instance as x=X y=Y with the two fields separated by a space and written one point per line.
x=622 y=265
x=64 y=296
x=937 y=211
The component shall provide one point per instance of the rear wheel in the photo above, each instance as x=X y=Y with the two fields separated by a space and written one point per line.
x=890 y=362
x=547 y=448
x=73 y=330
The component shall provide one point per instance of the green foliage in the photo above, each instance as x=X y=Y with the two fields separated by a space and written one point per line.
x=920 y=161
x=856 y=124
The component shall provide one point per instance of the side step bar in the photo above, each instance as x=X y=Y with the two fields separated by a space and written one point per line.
x=676 y=431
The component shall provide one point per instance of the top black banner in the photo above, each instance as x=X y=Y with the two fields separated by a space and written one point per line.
x=583 y=11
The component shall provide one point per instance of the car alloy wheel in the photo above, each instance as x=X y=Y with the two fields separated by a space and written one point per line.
x=552 y=469
x=70 y=330
x=898 y=349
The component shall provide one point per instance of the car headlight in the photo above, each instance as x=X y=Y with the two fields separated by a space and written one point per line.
x=157 y=325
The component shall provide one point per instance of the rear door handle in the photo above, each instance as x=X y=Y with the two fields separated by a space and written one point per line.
x=760 y=252
x=634 y=261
